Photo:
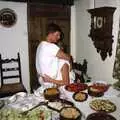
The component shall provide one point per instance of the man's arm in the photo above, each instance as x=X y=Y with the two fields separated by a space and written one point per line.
x=62 y=55
x=65 y=77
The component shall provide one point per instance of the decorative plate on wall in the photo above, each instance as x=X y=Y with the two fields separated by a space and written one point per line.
x=7 y=17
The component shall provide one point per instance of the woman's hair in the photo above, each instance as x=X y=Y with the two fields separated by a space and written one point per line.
x=52 y=27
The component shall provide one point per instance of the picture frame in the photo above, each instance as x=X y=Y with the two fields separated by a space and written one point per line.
x=8 y=17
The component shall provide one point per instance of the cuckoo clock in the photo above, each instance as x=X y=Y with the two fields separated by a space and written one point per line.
x=101 y=30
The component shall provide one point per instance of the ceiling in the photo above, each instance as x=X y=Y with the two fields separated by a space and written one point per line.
x=62 y=2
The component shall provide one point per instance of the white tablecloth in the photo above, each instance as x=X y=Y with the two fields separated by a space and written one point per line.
x=112 y=94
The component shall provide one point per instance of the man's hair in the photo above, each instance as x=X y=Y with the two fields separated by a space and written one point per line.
x=52 y=27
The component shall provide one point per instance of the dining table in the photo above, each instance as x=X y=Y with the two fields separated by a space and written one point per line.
x=28 y=104
x=111 y=94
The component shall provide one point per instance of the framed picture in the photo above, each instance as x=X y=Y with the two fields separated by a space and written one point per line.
x=8 y=17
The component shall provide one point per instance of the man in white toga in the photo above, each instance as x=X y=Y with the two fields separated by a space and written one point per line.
x=52 y=64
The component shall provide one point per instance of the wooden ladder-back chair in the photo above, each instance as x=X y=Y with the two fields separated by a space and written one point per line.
x=11 y=71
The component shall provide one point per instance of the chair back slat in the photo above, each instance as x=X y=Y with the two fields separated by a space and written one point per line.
x=10 y=69
x=9 y=77
x=9 y=60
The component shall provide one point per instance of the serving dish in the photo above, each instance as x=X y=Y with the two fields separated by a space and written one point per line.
x=70 y=113
x=80 y=96
x=95 y=91
x=38 y=113
x=57 y=105
x=76 y=87
x=100 y=116
x=103 y=86
x=27 y=103
x=16 y=97
x=102 y=105
x=51 y=94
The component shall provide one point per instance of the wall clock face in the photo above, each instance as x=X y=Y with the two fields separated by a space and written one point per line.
x=7 y=17
x=99 y=22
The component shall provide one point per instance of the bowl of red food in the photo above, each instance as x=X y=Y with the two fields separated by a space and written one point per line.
x=101 y=86
x=76 y=87
x=95 y=91
x=98 y=88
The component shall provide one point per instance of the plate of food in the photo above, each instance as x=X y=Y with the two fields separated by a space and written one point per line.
x=102 y=105
x=38 y=113
x=70 y=113
x=80 y=96
x=57 y=105
x=100 y=116
x=51 y=94
x=76 y=87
